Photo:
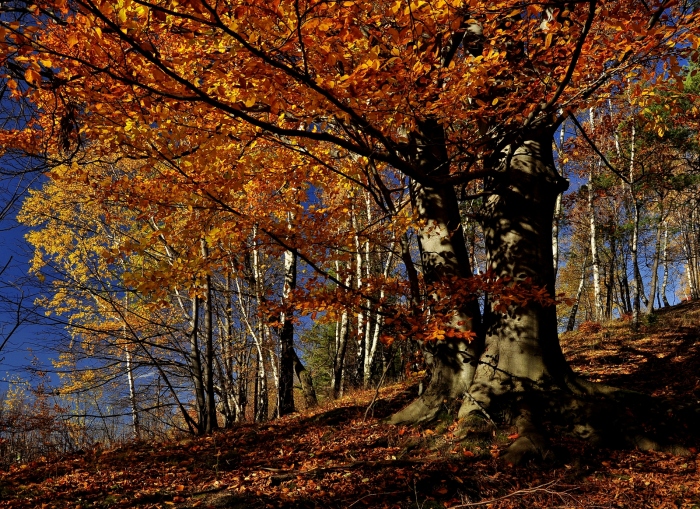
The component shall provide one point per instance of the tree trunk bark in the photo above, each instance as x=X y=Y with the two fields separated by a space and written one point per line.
x=196 y=369
x=522 y=351
x=342 y=332
x=360 y=330
x=135 y=424
x=665 y=255
x=655 y=269
x=211 y=422
x=287 y=354
x=598 y=300
x=307 y=384
x=610 y=280
x=444 y=256
x=557 y=210
x=581 y=284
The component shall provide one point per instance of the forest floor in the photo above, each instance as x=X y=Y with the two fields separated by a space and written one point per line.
x=334 y=457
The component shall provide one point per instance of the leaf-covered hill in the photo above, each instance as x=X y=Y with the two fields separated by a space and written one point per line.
x=335 y=457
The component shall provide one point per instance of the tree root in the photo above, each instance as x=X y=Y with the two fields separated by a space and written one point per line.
x=616 y=419
x=531 y=442
x=605 y=416
x=422 y=410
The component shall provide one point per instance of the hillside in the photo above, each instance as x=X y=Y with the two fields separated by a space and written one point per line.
x=335 y=457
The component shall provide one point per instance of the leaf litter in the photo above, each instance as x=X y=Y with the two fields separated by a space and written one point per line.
x=335 y=457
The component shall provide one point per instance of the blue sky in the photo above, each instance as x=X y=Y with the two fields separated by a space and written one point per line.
x=27 y=347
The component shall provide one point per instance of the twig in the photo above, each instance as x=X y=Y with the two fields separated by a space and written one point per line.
x=374 y=495
x=483 y=410
x=527 y=491
x=376 y=394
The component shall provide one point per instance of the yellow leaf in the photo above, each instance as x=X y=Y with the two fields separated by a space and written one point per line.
x=72 y=40
x=31 y=76
x=122 y=15
x=548 y=40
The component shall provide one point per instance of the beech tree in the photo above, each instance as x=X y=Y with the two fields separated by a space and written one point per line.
x=441 y=93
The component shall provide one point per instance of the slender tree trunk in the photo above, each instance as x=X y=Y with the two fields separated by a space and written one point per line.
x=372 y=339
x=211 y=423
x=665 y=258
x=196 y=369
x=261 y=336
x=287 y=354
x=224 y=361
x=636 y=275
x=256 y=388
x=360 y=332
x=581 y=284
x=342 y=332
x=135 y=424
x=307 y=385
x=625 y=298
x=341 y=342
x=610 y=284
x=242 y=390
x=598 y=300
x=557 y=209
x=655 y=268
x=260 y=399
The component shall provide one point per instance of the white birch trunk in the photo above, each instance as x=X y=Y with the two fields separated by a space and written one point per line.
x=557 y=209
x=636 y=290
x=595 y=259
x=358 y=285
x=664 y=283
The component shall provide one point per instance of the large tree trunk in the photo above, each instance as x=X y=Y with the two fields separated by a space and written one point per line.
x=521 y=375
x=522 y=350
x=444 y=256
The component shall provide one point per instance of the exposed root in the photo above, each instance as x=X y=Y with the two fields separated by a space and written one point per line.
x=451 y=374
x=531 y=442
x=615 y=419
x=582 y=387
x=603 y=415
x=424 y=409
